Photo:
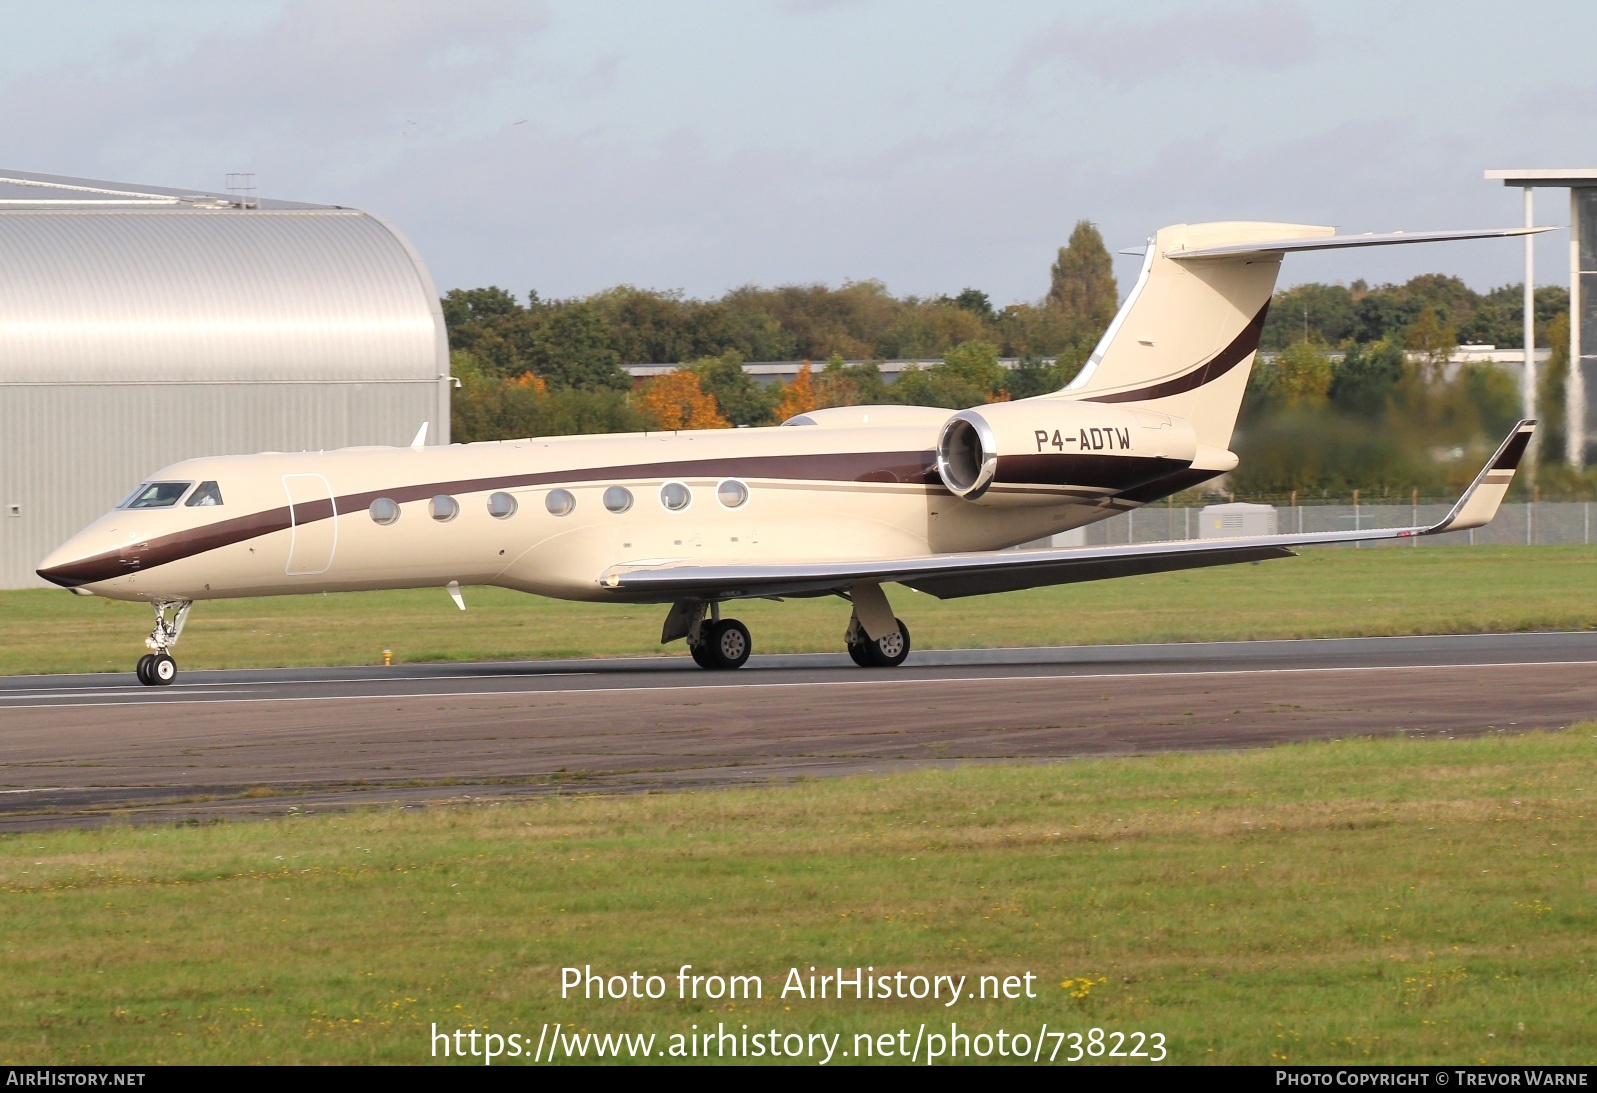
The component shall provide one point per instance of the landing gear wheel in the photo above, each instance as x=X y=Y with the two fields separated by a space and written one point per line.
x=162 y=670
x=143 y=669
x=701 y=654
x=892 y=650
x=729 y=645
x=859 y=654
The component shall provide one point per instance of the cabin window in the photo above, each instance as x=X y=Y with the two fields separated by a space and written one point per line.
x=559 y=502
x=443 y=508
x=675 y=496
x=384 y=510
x=501 y=506
x=157 y=495
x=732 y=493
x=204 y=495
x=618 y=499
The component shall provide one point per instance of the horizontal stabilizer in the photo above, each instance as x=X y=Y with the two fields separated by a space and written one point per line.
x=1337 y=242
x=949 y=576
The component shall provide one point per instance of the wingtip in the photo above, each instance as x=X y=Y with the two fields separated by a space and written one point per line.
x=1513 y=449
x=1481 y=500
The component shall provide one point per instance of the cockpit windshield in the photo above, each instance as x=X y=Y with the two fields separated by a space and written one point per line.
x=206 y=493
x=156 y=495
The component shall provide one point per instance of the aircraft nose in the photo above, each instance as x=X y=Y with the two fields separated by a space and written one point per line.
x=76 y=563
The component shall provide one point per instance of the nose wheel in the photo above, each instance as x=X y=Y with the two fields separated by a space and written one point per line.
x=157 y=668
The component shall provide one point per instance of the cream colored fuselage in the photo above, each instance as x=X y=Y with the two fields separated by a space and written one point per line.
x=813 y=494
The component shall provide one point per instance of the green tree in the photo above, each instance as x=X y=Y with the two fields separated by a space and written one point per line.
x=1367 y=379
x=1433 y=339
x=841 y=384
x=1325 y=314
x=1082 y=282
x=1297 y=379
x=974 y=301
x=1033 y=376
x=740 y=399
x=968 y=375
x=1550 y=412
x=571 y=349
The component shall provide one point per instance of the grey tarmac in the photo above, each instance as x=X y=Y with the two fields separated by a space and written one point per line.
x=80 y=751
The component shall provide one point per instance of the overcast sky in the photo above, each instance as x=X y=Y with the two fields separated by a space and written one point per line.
x=570 y=146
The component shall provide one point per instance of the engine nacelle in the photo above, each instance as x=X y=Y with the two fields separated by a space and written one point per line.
x=1043 y=451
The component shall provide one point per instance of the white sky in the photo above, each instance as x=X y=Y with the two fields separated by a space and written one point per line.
x=569 y=146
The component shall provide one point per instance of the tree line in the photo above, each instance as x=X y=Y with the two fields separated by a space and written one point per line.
x=1355 y=388
x=1362 y=390
x=551 y=367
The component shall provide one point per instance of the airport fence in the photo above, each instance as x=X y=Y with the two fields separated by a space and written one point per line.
x=1521 y=523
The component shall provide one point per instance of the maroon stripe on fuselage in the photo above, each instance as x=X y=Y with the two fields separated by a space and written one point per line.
x=917 y=468
x=1216 y=366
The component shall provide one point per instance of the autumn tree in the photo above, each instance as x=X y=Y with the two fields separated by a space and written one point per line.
x=676 y=400
x=798 y=397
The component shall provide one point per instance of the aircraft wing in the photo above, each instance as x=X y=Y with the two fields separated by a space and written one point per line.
x=949 y=576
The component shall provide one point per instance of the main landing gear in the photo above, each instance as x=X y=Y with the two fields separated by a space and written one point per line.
x=888 y=652
x=714 y=642
x=725 y=644
x=718 y=643
x=157 y=668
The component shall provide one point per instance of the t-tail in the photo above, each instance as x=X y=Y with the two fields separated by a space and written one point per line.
x=1183 y=343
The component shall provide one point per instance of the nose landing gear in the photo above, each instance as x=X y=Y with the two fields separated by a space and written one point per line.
x=157 y=668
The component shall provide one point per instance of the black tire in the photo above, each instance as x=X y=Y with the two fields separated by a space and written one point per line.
x=859 y=654
x=163 y=670
x=142 y=670
x=729 y=645
x=892 y=650
x=701 y=654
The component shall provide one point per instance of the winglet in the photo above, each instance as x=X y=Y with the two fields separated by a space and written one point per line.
x=421 y=437
x=1479 y=503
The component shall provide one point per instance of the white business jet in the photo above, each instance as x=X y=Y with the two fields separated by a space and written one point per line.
x=834 y=502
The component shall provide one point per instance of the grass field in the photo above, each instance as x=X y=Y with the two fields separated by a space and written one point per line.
x=1396 y=900
x=1325 y=593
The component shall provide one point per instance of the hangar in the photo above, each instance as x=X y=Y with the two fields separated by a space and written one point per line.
x=140 y=325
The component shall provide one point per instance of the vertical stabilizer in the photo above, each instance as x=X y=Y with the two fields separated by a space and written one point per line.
x=1184 y=340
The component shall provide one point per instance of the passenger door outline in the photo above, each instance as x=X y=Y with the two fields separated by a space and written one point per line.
x=313 y=524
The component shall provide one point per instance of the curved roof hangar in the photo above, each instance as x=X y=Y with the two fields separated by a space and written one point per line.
x=101 y=283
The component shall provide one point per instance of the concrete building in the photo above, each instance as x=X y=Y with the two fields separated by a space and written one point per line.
x=141 y=325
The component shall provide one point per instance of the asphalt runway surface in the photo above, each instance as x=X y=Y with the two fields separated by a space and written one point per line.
x=79 y=751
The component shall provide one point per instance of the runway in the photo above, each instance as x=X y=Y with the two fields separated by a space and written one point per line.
x=87 y=750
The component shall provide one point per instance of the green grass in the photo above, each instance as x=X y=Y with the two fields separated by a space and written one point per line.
x=1325 y=593
x=1361 y=901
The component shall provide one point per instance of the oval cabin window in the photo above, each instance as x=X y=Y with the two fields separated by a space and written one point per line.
x=443 y=508
x=501 y=506
x=384 y=511
x=618 y=499
x=675 y=496
x=732 y=493
x=559 y=502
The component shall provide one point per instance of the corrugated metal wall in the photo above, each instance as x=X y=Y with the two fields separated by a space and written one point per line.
x=130 y=340
x=69 y=453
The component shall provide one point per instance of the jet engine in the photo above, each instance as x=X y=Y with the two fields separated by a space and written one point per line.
x=1041 y=451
